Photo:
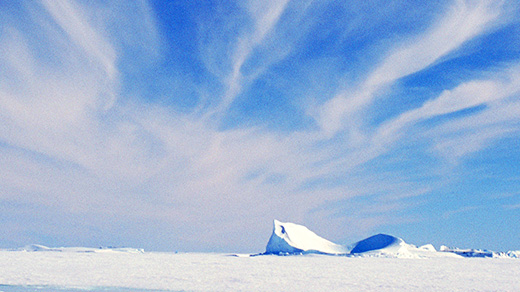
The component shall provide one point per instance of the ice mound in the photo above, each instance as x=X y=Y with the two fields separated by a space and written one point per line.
x=427 y=247
x=290 y=238
x=377 y=242
x=36 y=247
x=384 y=245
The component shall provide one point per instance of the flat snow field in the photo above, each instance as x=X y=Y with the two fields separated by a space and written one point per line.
x=121 y=271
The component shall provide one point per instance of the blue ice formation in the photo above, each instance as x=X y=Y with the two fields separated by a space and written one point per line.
x=375 y=242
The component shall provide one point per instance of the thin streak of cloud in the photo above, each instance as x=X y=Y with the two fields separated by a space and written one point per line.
x=465 y=96
x=449 y=214
x=265 y=15
x=67 y=15
x=511 y=207
x=463 y=22
x=456 y=138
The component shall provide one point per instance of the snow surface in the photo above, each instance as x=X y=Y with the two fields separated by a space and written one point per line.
x=129 y=271
x=379 y=263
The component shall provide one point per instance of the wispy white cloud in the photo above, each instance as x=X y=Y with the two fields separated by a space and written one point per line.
x=459 y=137
x=59 y=108
x=461 y=23
x=68 y=16
x=465 y=96
x=512 y=207
x=71 y=136
x=265 y=15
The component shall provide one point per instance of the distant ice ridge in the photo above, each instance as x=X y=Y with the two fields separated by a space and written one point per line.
x=291 y=238
x=41 y=248
x=481 y=253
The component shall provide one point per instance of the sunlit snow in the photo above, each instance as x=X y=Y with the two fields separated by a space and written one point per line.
x=123 y=271
x=311 y=263
x=294 y=238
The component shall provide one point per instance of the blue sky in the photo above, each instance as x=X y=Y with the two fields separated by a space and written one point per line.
x=191 y=125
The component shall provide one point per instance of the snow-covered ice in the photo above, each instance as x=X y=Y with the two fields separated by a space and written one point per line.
x=123 y=271
x=380 y=262
x=290 y=238
x=294 y=238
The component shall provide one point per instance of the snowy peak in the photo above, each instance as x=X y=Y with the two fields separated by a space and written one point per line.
x=290 y=238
